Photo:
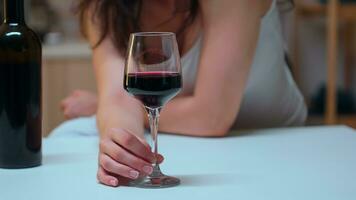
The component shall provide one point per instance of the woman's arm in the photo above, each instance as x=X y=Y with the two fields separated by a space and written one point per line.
x=115 y=106
x=122 y=153
x=231 y=31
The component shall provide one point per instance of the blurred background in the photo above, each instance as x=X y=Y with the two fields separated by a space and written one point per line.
x=320 y=40
x=66 y=55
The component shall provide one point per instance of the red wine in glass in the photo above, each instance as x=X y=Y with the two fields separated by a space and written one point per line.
x=153 y=88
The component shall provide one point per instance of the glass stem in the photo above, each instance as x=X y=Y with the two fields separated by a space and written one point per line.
x=153 y=116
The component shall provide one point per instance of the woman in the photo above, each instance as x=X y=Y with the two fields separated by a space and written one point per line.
x=233 y=68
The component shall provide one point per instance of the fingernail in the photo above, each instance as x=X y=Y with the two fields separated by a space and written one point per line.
x=160 y=158
x=133 y=174
x=113 y=182
x=148 y=169
x=153 y=159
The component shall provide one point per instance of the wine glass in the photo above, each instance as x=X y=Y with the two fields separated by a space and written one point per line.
x=153 y=76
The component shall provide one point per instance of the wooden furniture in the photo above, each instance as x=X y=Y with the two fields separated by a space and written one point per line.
x=66 y=67
x=310 y=163
x=336 y=13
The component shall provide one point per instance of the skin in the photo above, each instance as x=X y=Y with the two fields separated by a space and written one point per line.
x=222 y=75
x=79 y=103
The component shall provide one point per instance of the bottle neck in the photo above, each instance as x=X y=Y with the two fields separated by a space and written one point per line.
x=14 y=12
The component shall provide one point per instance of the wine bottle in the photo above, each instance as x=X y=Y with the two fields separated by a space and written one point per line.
x=20 y=90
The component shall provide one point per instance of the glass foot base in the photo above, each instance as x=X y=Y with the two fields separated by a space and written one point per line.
x=156 y=180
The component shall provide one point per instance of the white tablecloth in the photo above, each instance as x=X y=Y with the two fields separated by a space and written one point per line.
x=316 y=163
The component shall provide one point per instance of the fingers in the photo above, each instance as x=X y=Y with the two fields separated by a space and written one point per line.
x=121 y=155
x=124 y=155
x=110 y=165
x=69 y=107
x=143 y=141
x=104 y=178
x=64 y=103
x=77 y=92
x=70 y=113
x=132 y=144
x=66 y=108
x=160 y=158
x=79 y=103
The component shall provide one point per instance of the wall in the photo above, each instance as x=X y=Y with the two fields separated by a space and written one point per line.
x=312 y=51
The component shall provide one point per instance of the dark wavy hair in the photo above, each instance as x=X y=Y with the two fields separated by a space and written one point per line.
x=121 y=18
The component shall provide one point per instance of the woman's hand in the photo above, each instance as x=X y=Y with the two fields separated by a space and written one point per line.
x=123 y=156
x=80 y=103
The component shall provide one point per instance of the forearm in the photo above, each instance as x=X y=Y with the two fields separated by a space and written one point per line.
x=189 y=116
x=176 y=118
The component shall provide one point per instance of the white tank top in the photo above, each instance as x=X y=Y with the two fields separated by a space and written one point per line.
x=271 y=97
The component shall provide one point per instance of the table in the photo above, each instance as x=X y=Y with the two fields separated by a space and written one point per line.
x=299 y=163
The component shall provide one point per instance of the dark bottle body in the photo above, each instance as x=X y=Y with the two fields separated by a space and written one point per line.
x=20 y=95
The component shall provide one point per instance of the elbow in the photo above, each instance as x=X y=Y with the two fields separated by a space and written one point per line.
x=215 y=125
x=220 y=130
x=216 y=133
